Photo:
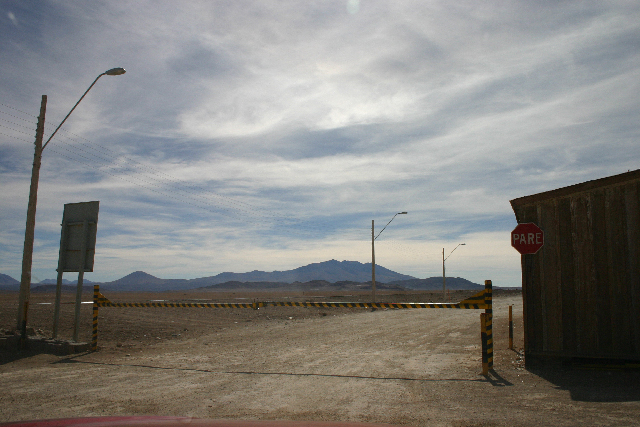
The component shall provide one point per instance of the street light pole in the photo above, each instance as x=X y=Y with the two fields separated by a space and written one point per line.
x=27 y=254
x=373 y=264
x=373 y=255
x=444 y=279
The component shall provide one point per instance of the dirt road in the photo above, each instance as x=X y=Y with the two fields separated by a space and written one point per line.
x=416 y=367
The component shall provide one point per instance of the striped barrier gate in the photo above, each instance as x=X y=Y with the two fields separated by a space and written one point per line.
x=479 y=301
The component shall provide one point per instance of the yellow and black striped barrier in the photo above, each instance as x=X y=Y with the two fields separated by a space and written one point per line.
x=479 y=301
x=471 y=303
x=485 y=344
x=107 y=303
x=487 y=352
x=396 y=305
x=94 y=331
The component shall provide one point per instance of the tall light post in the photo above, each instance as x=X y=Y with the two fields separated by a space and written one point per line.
x=27 y=254
x=373 y=255
x=444 y=279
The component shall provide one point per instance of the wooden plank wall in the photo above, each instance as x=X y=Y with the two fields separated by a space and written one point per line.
x=582 y=289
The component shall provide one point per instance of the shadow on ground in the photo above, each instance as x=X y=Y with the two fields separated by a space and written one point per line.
x=13 y=348
x=587 y=382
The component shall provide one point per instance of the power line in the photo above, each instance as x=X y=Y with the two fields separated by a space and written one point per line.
x=110 y=159
x=15 y=109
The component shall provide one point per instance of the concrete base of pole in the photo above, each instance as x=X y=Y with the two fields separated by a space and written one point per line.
x=14 y=343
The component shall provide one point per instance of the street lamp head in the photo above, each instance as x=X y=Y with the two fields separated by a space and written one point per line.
x=115 y=71
x=463 y=244
x=402 y=213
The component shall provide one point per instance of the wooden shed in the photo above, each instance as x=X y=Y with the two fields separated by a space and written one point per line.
x=581 y=290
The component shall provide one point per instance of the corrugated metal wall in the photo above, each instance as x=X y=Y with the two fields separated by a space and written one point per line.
x=581 y=291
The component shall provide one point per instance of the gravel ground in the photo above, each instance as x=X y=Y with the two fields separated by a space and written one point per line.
x=419 y=367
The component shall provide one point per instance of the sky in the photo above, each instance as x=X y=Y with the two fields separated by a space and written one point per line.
x=263 y=135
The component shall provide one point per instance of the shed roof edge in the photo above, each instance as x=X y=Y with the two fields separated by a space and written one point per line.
x=577 y=188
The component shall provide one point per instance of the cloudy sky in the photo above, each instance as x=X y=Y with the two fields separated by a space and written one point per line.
x=266 y=135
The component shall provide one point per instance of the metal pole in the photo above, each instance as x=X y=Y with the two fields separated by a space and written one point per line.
x=373 y=253
x=83 y=257
x=510 y=328
x=488 y=300
x=373 y=264
x=94 y=334
x=56 y=309
x=484 y=341
x=27 y=253
x=444 y=280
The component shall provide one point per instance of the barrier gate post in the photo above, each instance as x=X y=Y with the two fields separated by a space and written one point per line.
x=483 y=340
x=488 y=300
x=510 y=328
x=94 y=334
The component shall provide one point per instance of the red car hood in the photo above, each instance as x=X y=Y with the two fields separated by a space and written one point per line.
x=139 y=421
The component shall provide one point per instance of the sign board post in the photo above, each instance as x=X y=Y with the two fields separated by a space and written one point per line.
x=527 y=238
x=77 y=251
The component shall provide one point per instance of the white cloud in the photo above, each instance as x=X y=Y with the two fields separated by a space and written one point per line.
x=12 y=18
x=278 y=130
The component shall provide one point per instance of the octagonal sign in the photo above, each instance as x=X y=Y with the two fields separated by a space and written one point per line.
x=527 y=238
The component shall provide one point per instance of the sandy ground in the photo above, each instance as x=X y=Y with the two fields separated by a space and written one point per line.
x=419 y=367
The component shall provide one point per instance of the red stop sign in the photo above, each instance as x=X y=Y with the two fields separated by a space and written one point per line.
x=527 y=238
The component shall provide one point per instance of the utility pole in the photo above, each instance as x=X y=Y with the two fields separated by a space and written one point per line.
x=373 y=264
x=373 y=254
x=444 y=280
x=27 y=255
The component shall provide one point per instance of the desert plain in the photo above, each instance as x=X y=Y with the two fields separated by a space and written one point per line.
x=413 y=367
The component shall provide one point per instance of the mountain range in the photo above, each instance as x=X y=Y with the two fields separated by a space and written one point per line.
x=333 y=274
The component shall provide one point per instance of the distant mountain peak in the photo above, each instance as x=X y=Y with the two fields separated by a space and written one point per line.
x=138 y=278
x=8 y=280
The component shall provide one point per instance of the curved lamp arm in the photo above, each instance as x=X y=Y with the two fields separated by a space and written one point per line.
x=460 y=244
x=399 y=213
x=112 y=72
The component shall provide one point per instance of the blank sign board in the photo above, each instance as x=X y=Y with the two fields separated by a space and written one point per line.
x=79 y=228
